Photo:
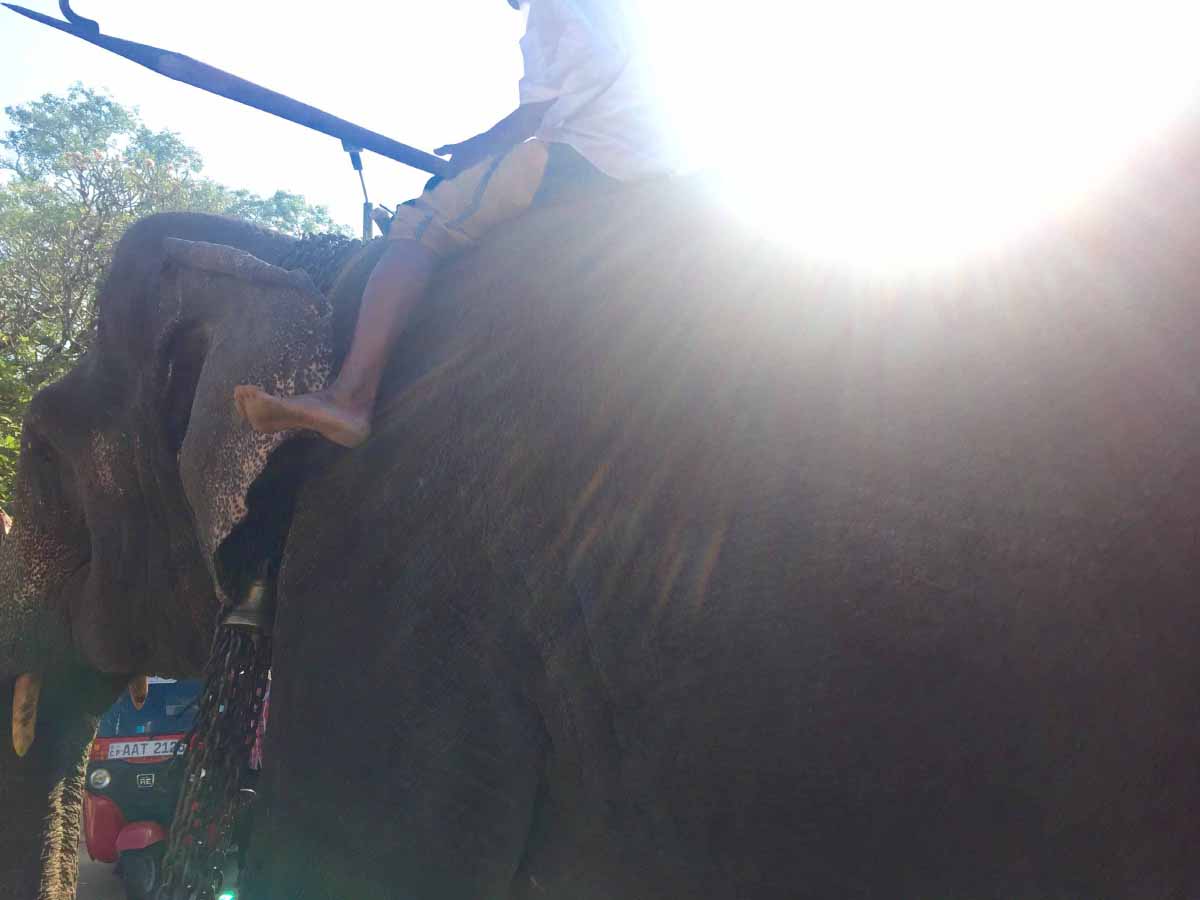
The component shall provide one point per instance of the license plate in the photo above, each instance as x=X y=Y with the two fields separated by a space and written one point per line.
x=146 y=780
x=143 y=749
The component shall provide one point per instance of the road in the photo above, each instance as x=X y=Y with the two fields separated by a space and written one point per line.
x=97 y=881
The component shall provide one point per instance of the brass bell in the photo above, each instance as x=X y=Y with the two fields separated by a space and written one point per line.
x=256 y=609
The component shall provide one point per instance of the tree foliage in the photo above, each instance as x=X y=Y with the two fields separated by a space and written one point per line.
x=75 y=171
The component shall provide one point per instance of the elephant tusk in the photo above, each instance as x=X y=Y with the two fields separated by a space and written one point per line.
x=26 y=692
x=139 y=690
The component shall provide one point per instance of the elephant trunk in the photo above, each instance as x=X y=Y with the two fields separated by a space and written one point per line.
x=41 y=795
x=48 y=704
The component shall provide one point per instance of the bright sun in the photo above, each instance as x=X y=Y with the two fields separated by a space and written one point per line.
x=914 y=133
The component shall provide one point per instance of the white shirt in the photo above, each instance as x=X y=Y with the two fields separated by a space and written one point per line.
x=581 y=54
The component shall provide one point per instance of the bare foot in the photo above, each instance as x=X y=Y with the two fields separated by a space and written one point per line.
x=314 y=412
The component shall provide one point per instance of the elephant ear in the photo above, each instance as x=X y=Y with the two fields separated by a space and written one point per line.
x=231 y=319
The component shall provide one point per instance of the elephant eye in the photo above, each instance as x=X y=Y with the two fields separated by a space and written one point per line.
x=38 y=450
x=40 y=458
x=47 y=475
x=41 y=474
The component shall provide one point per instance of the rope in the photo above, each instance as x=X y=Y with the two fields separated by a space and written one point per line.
x=322 y=256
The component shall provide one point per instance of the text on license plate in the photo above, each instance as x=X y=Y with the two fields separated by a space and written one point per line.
x=140 y=749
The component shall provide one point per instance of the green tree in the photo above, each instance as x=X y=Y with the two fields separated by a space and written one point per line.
x=75 y=171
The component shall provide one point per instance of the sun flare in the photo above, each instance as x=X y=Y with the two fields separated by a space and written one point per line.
x=911 y=134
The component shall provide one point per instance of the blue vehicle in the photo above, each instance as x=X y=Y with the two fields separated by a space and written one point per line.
x=132 y=786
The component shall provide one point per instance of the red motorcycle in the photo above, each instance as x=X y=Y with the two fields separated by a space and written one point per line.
x=131 y=784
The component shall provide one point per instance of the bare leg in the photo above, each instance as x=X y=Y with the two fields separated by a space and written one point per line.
x=342 y=412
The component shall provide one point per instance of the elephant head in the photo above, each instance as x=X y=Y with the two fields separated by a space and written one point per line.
x=134 y=477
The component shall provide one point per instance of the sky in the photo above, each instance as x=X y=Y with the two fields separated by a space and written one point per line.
x=877 y=132
x=424 y=73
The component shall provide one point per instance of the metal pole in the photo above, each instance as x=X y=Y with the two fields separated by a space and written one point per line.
x=368 y=223
x=216 y=81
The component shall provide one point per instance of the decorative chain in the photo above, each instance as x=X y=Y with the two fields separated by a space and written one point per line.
x=218 y=756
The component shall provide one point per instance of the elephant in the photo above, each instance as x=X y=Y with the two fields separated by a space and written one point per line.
x=679 y=563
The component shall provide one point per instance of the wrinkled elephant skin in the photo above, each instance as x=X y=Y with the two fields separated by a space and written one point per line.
x=102 y=577
x=675 y=567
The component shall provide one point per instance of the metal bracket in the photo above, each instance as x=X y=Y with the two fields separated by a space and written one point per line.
x=87 y=25
x=356 y=160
